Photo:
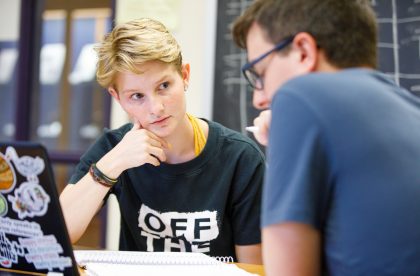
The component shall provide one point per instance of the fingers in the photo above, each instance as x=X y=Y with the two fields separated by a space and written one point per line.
x=162 y=142
x=153 y=145
x=144 y=146
x=153 y=160
x=157 y=153
x=263 y=123
x=136 y=125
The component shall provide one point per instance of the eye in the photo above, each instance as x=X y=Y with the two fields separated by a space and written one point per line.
x=164 y=85
x=136 y=96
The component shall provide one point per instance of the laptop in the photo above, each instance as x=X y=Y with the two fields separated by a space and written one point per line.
x=33 y=235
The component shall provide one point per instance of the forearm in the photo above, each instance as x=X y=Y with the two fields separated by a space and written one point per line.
x=291 y=249
x=249 y=254
x=80 y=202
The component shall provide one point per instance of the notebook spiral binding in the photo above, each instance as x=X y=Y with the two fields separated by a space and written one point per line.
x=224 y=259
x=148 y=258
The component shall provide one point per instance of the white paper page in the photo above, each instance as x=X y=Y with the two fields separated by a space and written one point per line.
x=104 y=263
x=102 y=269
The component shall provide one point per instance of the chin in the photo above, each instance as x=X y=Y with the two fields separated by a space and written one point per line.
x=162 y=131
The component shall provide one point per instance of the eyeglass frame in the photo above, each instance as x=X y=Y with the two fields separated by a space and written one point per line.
x=248 y=67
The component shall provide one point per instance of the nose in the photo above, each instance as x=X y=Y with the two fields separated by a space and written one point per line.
x=156 y=105
x=259 y=100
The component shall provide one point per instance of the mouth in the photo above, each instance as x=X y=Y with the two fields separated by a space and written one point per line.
x=160 y=121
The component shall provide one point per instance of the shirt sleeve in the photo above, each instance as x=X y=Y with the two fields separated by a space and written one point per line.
x=95 y=152
x=246 y=203
x=296 y=187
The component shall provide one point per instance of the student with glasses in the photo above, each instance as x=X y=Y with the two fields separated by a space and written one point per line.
x=342 y=188
x=182 y=183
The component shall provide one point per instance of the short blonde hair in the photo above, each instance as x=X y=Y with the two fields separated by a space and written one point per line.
x=133 y=43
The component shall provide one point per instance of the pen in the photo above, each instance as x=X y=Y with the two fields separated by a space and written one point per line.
x=252 y=129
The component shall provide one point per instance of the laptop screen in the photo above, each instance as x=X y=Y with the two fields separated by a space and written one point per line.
x=33 y=235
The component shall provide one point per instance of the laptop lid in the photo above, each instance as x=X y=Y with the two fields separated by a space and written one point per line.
x=33 y=234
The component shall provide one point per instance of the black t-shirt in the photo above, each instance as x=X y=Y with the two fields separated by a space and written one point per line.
x=208 y=204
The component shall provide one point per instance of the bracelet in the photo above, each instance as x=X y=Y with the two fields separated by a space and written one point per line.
x=100 y=177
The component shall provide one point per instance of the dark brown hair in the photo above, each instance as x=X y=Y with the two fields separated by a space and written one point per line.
x=345 y=29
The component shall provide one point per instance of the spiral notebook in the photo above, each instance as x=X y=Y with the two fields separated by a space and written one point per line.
x=127 y=263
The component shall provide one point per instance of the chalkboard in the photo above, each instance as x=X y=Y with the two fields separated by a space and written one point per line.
x=399 y=41
x=399 y=57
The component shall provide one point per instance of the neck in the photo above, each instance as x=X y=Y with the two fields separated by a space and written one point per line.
x=182 y=143
x=323 y=65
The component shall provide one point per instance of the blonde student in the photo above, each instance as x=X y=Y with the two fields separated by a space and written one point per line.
x=182 y=183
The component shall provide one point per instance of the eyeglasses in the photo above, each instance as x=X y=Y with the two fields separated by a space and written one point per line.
x=253 y=78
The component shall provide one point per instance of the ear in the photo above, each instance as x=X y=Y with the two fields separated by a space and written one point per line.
x=114 y=94
x=186 y=73
x=307 y=51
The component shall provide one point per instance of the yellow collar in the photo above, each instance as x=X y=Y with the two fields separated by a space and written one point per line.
x=199 y=137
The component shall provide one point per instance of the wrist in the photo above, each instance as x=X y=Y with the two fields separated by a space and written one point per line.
x=109 y=166
x=99 y=177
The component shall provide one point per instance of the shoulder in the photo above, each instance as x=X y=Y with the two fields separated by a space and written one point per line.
x=108 y=140
x=343 y=76
x=232 y=136
x=112 y=137
x=233 y=141
x=334 y=85
x=327 y=93
x=118 y=133
x=99 y=148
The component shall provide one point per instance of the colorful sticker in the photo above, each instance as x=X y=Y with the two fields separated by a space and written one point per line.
x=44 y=253
x=28 y=166
x=7 y=175
x=22 y=228
x=3 y=206
x=10 y=250
x=30 y=200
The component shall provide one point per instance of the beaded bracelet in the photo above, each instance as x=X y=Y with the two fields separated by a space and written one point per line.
x=100 y=177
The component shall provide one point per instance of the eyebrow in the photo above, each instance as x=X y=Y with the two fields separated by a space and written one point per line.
x=167 y=76
x=129 y=90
